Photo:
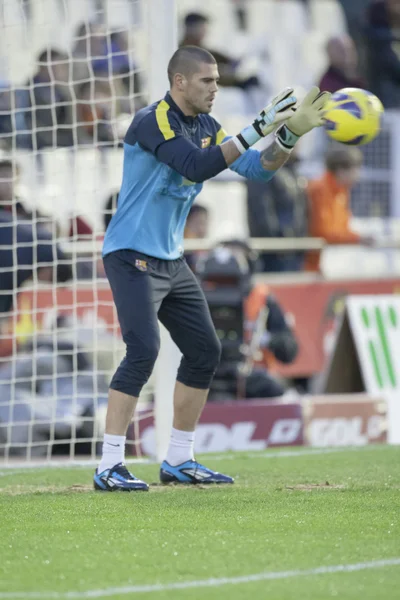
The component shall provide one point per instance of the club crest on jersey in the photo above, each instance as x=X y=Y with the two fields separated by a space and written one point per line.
x=141 y=265
x=205 y=142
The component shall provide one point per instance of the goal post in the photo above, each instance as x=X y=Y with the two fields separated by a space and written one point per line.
x=163 y=41
x=59 y=341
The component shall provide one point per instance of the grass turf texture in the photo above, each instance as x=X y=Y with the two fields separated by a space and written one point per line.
x=59 y=535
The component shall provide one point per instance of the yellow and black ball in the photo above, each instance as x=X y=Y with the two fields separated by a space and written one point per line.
x=353 y=116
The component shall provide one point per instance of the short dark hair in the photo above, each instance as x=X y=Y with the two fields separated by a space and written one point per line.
x=195 y=18
x=197 y=209
x=51 y=55
x=6 y=163
x=186 y=61
x=343 y=158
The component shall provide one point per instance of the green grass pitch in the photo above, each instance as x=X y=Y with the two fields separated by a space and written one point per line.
x=291 y=514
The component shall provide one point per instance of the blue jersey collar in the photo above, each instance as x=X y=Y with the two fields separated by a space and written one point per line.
x=175 y=108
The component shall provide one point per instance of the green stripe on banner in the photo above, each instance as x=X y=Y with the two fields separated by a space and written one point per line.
x=364 y=316
x=374 y=358
x=393 y=316
x=385 y=345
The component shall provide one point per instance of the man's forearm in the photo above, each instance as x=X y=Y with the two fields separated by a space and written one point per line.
x=273 y=157
x=230 y=152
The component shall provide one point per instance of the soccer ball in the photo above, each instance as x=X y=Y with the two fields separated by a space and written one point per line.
x=353 y=116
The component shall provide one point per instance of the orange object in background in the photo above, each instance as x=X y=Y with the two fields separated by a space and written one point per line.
x=329 y=216
x=313 y=308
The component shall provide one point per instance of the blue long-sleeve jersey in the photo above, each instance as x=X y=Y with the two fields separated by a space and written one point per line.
x=167 y=156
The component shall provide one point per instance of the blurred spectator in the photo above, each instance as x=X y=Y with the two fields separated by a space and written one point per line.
x=265 y=331
x=196 y=26
x=57 y=389
x=383 y=46
x=90 y=41
x=109 y=209
x=9 y=202
x=196 y=228
x=329 y=197
x=9 y=174
x=356 y=18
x=50 y=115
x=343 y=64
x=98 y=54
x=278 y=208
x=117 y=63
x=95 y=112
x=26 y=250
x=13 y=122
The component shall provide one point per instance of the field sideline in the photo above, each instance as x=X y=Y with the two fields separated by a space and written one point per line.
x=298 y=523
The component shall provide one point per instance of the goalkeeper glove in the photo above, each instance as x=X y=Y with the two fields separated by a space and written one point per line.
x=279 y=110
x=307 y=116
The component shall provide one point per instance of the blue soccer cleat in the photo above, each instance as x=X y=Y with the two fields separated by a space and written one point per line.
x=118 y=479
x=191 y=472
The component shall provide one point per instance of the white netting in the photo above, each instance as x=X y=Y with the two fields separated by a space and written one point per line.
x=72 y=73
x=71 y=76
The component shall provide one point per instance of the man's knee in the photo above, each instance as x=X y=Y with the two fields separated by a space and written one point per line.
x=213 y=352
x=198 y=367
x=142 y=352
x=137 y=366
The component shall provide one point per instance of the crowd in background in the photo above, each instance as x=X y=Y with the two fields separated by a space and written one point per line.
x=75 y=98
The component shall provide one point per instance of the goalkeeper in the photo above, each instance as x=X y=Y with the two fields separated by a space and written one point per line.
x=170 y=148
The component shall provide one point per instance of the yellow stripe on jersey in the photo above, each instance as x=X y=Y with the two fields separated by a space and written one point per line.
x=162 y=120
x=221 y=135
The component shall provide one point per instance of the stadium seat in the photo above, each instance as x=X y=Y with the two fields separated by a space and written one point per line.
x=16 y=55
x=58 y=197
x=290 y=19
x=28 y=171
x=90 y=182
x=222 y=21
x=119 y=14
x=327 y=17
x=45 y=17
x=227 y=206
x=114 y=162
x=261 y=17
x=342 y=262
x=313 y=55
x=75 y=14
x=230 y=101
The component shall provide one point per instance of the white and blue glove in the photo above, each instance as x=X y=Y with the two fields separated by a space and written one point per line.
x=280 y=109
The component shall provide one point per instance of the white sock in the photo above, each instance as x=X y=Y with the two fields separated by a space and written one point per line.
x=180 y=447
x=113 y=451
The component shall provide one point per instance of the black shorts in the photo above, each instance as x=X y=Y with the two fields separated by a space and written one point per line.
x=146 y=289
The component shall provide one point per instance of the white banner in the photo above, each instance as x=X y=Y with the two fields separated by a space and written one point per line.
x=375 y=326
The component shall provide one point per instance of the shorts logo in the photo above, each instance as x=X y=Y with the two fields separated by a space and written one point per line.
x=205 y=142
x=141 y=265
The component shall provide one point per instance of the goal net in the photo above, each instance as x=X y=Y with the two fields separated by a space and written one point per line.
x=73 y=72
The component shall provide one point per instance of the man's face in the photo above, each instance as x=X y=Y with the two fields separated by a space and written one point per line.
x=6 y=184
x=200 y=89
